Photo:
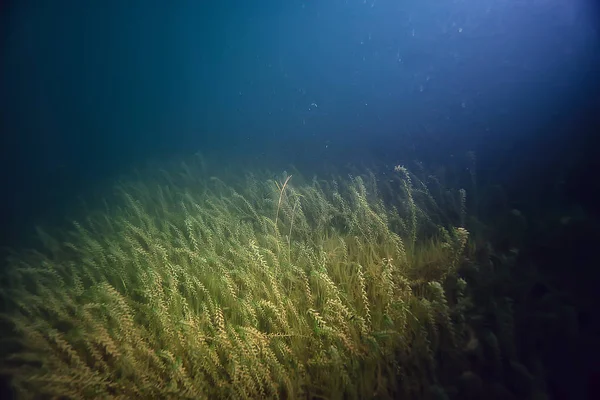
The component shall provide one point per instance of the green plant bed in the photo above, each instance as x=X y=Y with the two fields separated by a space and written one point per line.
x=193 y=288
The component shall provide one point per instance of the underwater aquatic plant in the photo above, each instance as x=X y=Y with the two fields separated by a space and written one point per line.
x=181 y=293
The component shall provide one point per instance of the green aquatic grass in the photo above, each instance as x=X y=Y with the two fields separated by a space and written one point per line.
x=193 y=288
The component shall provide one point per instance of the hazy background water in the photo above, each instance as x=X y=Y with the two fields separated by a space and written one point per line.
x=90 y=88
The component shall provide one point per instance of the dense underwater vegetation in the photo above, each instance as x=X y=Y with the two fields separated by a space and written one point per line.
x=184 y=285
